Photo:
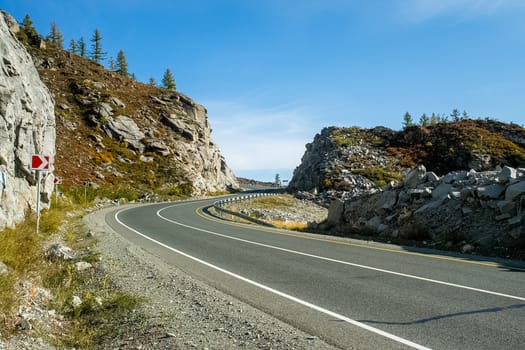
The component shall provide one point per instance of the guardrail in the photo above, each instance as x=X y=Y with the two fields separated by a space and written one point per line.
x=219 y=207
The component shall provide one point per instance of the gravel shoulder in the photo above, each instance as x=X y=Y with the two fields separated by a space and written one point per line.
x=181 y=311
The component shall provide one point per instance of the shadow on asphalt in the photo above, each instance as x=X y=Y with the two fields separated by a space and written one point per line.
x=440 y=317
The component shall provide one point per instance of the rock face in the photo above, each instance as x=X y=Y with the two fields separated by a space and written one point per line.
x=27 y=126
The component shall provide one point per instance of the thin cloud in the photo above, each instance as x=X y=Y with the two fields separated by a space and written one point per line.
x=260 y=138
x=420 y=10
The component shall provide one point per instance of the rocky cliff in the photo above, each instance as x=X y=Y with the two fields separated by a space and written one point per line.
x=27 y=126
x=116 y=131
x=457 y=186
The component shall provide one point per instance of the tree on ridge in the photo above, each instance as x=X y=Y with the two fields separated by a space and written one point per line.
x=97 y=54
x=168 y=81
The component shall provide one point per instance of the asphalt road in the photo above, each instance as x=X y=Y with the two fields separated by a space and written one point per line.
x=349 y=293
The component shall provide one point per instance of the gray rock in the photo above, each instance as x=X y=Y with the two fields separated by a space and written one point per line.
x=416 y=176
x=335 y=212
x=442 y=191
x=58 y=251
x=507 y=207
x=27 y=126
x=432 y=177
x=103 y=110
x=429 y=206
x=515 y=190
x=83 y=265
x=515 y=221
x=507 y=173
x=123 y=128
x=493 y=191
x=388 y=200
x=117 y=102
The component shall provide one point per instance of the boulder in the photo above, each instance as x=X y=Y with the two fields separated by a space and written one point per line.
x=493 y=191
x=415 y=177
x=506 y=174
x=123 y=128
x=515 y=190
x=442 y=191
x=387 y=200
x=335 y=212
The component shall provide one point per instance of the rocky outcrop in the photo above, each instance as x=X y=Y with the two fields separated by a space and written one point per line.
x=327 y=166
x=27 y=126
x=350 y=162
x=123 y=131
x=466 y=210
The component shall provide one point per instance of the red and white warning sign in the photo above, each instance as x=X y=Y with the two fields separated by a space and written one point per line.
x=40 y=162
x=57 y=180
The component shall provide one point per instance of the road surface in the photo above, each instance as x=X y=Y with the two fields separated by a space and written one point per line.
x=349 y=293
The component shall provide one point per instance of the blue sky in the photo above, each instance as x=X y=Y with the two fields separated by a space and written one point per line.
x=273 y=73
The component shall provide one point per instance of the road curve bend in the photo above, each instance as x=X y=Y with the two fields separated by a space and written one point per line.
x=351 y=294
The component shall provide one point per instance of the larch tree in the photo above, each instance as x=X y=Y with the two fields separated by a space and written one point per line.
x=407 y=120
x=73 y=47
x=168 y=81
x=55 y=36
x=122 y=64
x=81 y=47
x=152 y=81
x=97 y=54
x=111 y=64
x=424 y=121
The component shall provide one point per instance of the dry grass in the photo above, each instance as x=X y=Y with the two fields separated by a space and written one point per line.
x=290 y=225
x=103 y=305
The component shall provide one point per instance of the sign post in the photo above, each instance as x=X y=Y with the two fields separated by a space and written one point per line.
x=39 y=163
x=57 y=181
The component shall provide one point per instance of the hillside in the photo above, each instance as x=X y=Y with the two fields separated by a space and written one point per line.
x=354 y=160
x=113 y=130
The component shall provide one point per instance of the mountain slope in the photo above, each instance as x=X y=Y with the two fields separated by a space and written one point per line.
x=111 y=129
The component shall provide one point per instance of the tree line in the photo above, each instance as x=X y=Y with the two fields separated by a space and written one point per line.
x=434 y=118
x=29 y=35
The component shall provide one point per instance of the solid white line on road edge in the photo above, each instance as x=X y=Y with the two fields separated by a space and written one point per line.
x=274 y=291
x=343 y=262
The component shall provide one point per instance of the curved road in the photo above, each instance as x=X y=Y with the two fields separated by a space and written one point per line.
x=351 y=294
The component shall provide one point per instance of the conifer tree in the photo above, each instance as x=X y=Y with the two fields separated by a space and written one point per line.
x=424 y=121
x=55 y=37
x=434 y=119
x=455 y=115
x=28 y=34
x=111 y=64
x=73 y=47
x=152 y=81
x=168 y=81
x=81 y=47
x=97 y=54
x=407 y=120
x=122 y=64
x=133 y=77
x=465 y=115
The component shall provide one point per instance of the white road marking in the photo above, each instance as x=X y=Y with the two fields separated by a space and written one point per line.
x=342 y=262
x=271 y=290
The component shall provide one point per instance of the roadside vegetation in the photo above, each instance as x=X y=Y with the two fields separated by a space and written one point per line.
x=31 y=269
